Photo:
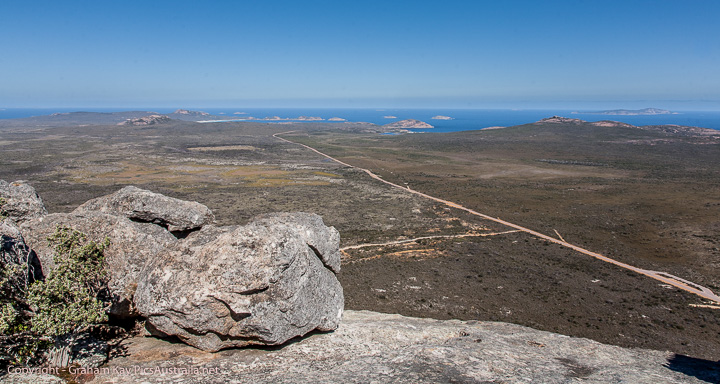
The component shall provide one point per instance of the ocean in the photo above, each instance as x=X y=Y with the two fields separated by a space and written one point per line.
x=463 y=119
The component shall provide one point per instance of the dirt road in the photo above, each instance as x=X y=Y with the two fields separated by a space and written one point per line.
x=663 y=277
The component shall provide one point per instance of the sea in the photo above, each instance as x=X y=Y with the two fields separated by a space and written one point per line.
x=462 y=119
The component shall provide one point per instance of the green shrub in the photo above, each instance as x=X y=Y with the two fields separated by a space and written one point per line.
x=75 y=294
x=72 y=297
x=8 y=319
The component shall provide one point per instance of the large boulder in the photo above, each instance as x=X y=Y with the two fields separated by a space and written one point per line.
x=132 y=244
x=178 y=216
x=263 y=283
x=21 y=201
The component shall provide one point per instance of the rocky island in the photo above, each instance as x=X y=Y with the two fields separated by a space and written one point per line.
x=190 y=113
x=441 y=117
x=409 y=123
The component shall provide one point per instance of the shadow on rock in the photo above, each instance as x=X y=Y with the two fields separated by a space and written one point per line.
x=705 y=370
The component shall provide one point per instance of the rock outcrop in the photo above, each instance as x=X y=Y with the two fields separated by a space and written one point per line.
x=147 y=120
x=21 y=201
x=263 y=283
x=560 y=120
x=611 y=124
x=132 y=244
x=137 y=204
x=409 y=123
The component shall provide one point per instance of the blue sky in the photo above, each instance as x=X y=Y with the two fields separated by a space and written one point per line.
x=449 y=54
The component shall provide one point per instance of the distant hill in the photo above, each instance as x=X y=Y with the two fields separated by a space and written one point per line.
x=632 y=112
x=147 y=120
x=668 y=129
x=80 y=118
x=567 y=120
x=73 y=119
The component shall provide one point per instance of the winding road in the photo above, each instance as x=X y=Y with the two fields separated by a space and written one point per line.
x=664 y=277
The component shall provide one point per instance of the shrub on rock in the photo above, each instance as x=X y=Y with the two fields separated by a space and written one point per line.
x=75 y=294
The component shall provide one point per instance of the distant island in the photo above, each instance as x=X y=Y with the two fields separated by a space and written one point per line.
x=441 y=117
x=190 y=113
x=409 y=123
x=631 y=112
x=390 y=117
x=336 y=119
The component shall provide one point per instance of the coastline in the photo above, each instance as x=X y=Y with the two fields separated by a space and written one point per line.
x=462 y=119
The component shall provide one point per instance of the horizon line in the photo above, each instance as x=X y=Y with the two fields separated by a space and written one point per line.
x=149 y=108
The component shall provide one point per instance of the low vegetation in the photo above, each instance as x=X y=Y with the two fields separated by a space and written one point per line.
x=643 y=196
x=73 y=297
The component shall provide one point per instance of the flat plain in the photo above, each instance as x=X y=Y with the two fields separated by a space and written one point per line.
x=647 y=197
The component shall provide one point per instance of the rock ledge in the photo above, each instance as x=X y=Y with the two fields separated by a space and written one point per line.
x=374 y=347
